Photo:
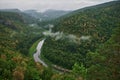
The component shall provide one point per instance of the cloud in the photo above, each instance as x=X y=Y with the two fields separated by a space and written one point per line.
x=62 y=36
x=42 y=5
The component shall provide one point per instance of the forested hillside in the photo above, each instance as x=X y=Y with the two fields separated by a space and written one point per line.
x=104 y=62
x=16 y=37
x=95 y=23
x=14 y=28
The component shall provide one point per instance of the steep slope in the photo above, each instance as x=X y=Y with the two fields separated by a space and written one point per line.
x=12 y=31
x=13 y=27
x=104 y=62
x=15 y=39
x=89 y=27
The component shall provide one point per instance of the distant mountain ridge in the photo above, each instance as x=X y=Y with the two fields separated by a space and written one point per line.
x=10 y=10
x=27 y=18
x=41 y=16
x=47 y=15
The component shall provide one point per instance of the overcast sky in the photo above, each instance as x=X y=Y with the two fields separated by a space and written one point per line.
x=42 y=5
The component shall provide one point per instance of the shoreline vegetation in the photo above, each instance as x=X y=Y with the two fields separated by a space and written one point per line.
x=53 y=66
x=32 y=49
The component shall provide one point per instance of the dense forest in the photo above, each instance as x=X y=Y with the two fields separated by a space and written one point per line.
x=85 y=41
x=16 y=37
x=99 y=22
x=15 y=28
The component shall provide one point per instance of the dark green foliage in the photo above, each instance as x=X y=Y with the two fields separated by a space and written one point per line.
x=32 y=73
x=15 y=39
x=79 y=70
x=97 y=22
x=13 y=28
x=16 y=36
x=105 y=63
x=47 y=74
x=61 y=57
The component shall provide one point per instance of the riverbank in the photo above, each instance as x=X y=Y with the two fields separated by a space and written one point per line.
x=32 y=49
x=36 y=48
x=36 y=55
x=53 y=66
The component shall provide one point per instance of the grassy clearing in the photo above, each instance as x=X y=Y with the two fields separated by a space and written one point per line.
x=33 y=48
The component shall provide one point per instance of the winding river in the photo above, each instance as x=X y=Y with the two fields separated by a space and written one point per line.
x=37 y=59
x=38 y=52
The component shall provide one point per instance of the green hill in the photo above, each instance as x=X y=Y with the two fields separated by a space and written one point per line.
x=97 y=22
x=16 y=37
x=13 y=27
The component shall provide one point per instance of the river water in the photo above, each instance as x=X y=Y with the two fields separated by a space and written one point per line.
x=38 y=52
x=37 y=58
